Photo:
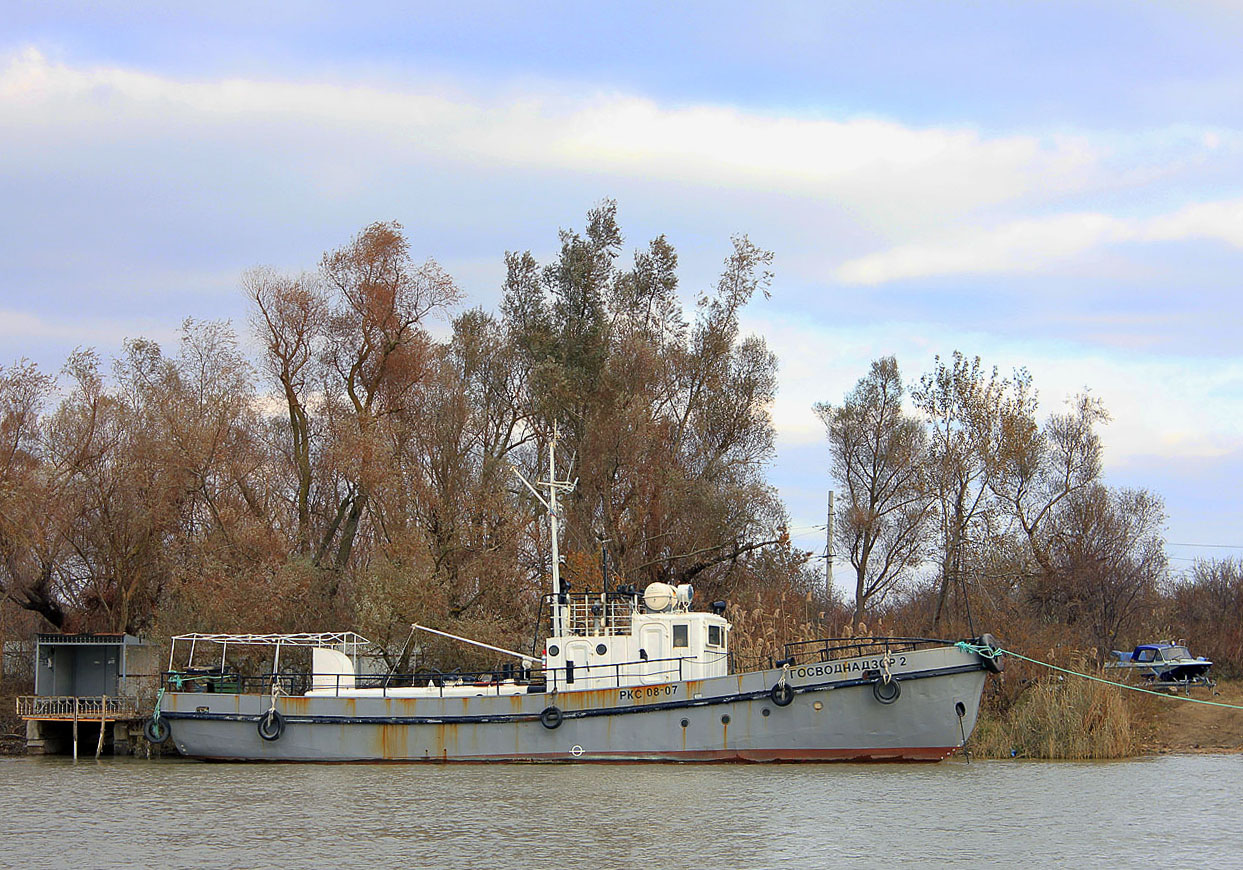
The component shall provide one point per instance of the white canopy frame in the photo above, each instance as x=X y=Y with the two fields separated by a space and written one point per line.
x=348 y=642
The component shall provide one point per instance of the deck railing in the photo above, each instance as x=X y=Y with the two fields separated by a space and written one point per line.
x=597 y=614
x=70 y=707
x=829 y=649
x=498 y=680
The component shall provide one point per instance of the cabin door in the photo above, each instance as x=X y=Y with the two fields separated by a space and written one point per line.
x=578 y=652
x=656 y=669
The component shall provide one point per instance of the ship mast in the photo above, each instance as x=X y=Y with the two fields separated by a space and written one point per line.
x=555 y=486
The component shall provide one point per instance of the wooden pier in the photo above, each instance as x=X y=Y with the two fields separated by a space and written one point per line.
x=87 y=687
x=47 y=716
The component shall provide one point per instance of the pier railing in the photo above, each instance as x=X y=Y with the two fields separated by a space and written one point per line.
x=70 y=707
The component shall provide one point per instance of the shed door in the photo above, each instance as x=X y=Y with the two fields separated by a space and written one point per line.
x=90 y=670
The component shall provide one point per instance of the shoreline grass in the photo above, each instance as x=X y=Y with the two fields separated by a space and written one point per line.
x=1059 y=717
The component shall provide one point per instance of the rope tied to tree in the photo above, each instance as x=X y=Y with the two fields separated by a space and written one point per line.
x=996 y=652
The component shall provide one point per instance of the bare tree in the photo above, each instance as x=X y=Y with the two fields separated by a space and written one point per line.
x=288 y=315
x=29 y=542
x=1037 y=467
x=1110 y=559
x=962 y=404
x=352 y=336
x=878 y=455
x=378 y=350
x=1207 y=606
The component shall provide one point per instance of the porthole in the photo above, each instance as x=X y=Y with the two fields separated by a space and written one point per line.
x=685 y=722
x=817 y=706
x=766 y=712
x=554 y=651
x=601 y=649
x=725 y=719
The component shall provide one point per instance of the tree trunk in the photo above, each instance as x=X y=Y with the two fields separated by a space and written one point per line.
x=350 y=530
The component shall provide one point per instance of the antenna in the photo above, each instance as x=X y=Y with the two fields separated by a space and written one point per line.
x=829 y=554
x=604 y=561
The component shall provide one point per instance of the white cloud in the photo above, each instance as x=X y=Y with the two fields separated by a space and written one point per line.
x=949 y=199
x=881 y=171
x=1184 y=406
x=20 y=327
x=1033 y=245
x=1207 y=220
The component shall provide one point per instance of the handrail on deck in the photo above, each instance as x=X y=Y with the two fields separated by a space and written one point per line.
x=496 y=680
x=828 y=649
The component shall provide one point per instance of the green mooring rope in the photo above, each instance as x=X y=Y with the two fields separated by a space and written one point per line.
x=995 y=652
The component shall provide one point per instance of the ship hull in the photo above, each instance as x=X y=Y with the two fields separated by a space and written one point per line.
x=831 y=712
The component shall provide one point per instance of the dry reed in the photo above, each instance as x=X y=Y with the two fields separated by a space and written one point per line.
x=1059 y=717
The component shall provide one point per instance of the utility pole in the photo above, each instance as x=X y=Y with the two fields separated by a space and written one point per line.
x=828 y=550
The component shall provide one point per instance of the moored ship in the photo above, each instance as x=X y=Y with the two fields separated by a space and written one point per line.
x=624 y=676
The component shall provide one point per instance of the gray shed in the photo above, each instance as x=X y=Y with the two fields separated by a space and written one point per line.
x=86 y=680
x=89 y=665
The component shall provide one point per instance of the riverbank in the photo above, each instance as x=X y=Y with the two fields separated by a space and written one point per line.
x=1070 y=718
x=1177 y=727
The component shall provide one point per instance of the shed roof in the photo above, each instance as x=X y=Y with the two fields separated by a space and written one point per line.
x=90 y=639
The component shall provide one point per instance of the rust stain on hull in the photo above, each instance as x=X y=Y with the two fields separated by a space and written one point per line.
x=295 y=705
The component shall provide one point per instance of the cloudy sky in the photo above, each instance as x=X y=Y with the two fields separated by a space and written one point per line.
x=1050 y=185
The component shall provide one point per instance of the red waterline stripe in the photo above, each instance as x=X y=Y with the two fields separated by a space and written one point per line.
x=918 y=753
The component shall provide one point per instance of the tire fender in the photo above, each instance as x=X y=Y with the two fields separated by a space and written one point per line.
x=994 y=664
x=157 y=731
x=886 y=692
x=271 y=725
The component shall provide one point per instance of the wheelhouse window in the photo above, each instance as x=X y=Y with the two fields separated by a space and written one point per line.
x=714 y=635
x=681 y=635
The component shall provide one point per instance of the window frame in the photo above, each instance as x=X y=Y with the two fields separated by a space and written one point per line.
x=685 y=630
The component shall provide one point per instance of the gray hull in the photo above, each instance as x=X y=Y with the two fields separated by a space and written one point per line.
x=833 y=713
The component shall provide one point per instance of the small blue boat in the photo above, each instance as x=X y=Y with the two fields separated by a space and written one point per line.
x=1165 y=665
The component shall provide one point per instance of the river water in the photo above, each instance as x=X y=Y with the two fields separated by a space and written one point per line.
x=1174 y=811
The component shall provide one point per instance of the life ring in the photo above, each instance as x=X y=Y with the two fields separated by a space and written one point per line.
x=782 y=694
x=992 y=663
x=886 y=692
x=156 y=730
x=550 y=717
x=271 y=725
